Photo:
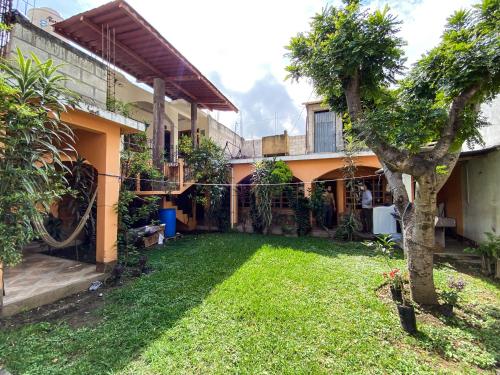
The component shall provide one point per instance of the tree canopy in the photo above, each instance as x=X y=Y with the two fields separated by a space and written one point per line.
x=416 y=122
x=352 y=50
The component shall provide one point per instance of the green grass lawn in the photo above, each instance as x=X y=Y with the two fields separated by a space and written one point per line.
x=235 y=303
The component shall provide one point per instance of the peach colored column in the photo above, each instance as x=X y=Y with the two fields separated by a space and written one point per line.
x=233 y=201
x=340 y=197
x=107 y=198
x=307 y=189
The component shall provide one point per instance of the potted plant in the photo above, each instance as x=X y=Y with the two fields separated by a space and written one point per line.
x=395 y=280
x=385 y=245
x=489 y=251
x=451 y=296
x=407 y=317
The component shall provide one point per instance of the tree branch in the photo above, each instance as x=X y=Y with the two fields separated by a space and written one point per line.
x=455 y=121
x=389 y=154
x=398 y=190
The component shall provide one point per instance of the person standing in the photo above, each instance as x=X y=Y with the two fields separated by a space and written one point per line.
x=367 y=208
x=329 y=206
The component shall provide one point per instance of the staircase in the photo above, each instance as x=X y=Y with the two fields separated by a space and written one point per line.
x=187 y=222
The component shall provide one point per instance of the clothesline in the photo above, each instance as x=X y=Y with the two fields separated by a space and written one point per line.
x=241 y=184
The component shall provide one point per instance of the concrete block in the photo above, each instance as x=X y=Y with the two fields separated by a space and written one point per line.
x=93 y=80
x=26 y=49
x=100 y=98
x=100 y=72
x=71 y=71
x=80 y=88
x=77 y=60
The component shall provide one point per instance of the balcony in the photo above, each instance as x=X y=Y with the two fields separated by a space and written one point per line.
x=178 y=178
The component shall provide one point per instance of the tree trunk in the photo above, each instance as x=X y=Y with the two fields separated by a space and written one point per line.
x=2 y=291
x=419 y=242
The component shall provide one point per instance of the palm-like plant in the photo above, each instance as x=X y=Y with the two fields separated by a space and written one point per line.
x=33 y=140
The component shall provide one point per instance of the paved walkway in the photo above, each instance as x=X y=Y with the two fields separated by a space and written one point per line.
x=41 y=279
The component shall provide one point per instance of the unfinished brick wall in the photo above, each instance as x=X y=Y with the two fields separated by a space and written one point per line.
x=87 y=76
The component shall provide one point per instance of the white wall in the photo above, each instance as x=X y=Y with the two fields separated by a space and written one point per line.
x=481 y=196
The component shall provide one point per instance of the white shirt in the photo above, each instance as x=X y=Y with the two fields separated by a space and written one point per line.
x=366 y=199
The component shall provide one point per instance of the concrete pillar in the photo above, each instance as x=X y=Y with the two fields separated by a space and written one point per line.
x=107 y=198
x=307 y=189
x=107 y=223
x=234 y=203
x=174 y=134
x=194 y=120
x=158 y=123
x=340 y=197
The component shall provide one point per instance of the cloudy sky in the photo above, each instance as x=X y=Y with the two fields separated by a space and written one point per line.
x=240 y=46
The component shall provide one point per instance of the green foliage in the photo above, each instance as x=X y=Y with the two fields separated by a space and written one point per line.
x=451 y=294
x=348 y=225
x=129 y=217
x=317 y=203
x=33 y=141
x=350 y=43
x=343 y=40
x=209 y=165
x=118 y=106
x=489 y=248
x=266 y=179
x=301 y=207
x=82 y=181
x=133 y=210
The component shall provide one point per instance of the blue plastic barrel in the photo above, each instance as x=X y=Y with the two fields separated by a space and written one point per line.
x=167 y=217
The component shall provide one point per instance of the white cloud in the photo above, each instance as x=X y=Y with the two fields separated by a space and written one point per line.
x=243 y=41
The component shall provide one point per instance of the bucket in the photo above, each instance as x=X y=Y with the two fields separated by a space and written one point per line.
x=167 y=217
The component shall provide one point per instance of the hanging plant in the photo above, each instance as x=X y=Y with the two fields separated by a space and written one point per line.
x=266 y=180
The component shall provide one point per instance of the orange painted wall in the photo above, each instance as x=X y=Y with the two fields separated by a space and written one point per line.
x=312 y=169
x=98 y=141
x=451 y=195
x=308 y=170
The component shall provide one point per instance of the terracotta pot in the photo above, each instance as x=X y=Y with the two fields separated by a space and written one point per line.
x=407 y=318
x=397 y=294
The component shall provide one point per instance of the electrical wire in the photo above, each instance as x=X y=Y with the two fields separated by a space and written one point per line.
x=238 y=184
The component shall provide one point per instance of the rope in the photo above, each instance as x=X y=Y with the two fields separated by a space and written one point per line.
x=49 y=240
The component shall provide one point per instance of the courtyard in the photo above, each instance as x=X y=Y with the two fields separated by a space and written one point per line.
x=239 y=303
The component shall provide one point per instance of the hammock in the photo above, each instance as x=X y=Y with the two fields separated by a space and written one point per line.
x=49 y=240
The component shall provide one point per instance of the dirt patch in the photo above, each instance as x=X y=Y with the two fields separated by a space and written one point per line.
x=77 y=310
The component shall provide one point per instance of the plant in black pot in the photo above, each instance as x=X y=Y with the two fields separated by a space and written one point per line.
x=395 y=280
x=451 y=296
x=407 y=317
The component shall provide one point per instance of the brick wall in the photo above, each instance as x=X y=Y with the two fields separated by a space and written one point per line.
x=87 y=76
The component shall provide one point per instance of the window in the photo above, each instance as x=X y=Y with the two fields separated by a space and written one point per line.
x=378 y=187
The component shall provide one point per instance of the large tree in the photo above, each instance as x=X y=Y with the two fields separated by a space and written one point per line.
x=415 y=123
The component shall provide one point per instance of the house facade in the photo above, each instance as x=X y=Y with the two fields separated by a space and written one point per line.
x=317 y=156
x=99 y=130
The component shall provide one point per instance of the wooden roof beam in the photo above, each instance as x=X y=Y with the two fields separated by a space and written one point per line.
x=137 y=58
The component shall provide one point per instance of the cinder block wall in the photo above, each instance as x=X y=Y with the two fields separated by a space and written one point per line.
x=252 y=148
x=221 y=134
x=297 y=145
x=87 y=76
